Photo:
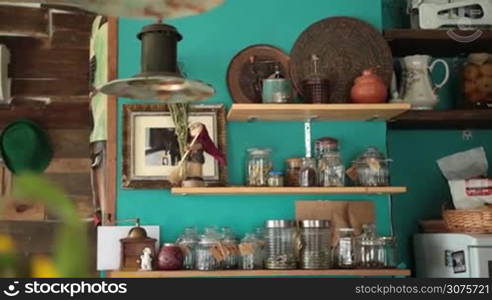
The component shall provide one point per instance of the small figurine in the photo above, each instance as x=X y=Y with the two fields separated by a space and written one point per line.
x=146 y=260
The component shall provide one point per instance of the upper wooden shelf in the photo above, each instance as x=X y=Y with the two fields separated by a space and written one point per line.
x=319 y=112
x=438 y=43
x=245 y=190
x=261 y=273
x=447 y=119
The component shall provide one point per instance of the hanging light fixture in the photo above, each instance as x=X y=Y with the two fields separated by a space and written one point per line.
x=160 y=78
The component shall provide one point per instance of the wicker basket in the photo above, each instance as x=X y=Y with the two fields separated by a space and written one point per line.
x=468 y=221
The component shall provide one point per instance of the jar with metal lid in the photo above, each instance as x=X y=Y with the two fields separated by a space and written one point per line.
x=308 y=175
x=315 y=240
x=325 y=145
x=344 y=251
x=249 y=250
x=389 y=252
x=369 y=248
x=188 y=242
x=372 y=168
x=292 y=172
x=230 y=249
x=276 y=179
x=331 y=170
x=208 y=253
x=258 y=167
x=281 y=243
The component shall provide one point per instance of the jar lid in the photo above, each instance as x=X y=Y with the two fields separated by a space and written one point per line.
x=279 y=223
x=315 y=223
x=294 y=162
x=259 y=151
x=275 y=173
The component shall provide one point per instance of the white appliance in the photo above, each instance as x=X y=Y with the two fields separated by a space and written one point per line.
x=5 y=81
x=453 y=255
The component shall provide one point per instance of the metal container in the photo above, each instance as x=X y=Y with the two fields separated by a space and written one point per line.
x=281 y=244
x=259 y=165
x=315 y=240
x=344 y=251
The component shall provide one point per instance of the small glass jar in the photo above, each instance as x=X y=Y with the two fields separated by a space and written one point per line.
x=344 y=251
x=249 y=250
x=281 y=245
x=372 y=168
x=369 y=248
x=208 y=253
x=230 y=248
x=332 y=170
x=258 y=167
x=276 y=179
x=315 y=240
x=308 y=175
x=293 y=169
x=188 y=242
x=389 y=253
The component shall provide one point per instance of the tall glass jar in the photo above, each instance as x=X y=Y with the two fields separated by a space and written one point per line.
x=332 y=170
x=389 y=253
x=316 y=241
x=259 y=165
x=260 y=234
x=188 y=242
x=230 y=248
x=372 y=168
x=249 y=250
x=308 y=175
x=293 y=170
x=369 y=248
x=281 y=242
x=344 y=251
x=208 y=253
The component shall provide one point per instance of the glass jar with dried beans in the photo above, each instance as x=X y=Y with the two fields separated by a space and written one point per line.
x=258 y=166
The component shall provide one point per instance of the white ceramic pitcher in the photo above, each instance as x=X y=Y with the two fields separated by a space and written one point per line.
x=417 y=87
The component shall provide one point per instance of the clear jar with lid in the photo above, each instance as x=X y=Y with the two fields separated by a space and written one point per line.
x=293 y=169
x=208 y=253
x=230 y=249
x=372 y=168
x=188 y=242
x=344 y=251
x=249 y=250
x=258 y=166
x=369 y=248
x=260 y=233
x=389 y=252
x=308 y=175
x=280 y=244
x=275 y=179
x=315 y=240
x=332 y=170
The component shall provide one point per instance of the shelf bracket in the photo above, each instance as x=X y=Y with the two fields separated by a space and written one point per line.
x=307 y=137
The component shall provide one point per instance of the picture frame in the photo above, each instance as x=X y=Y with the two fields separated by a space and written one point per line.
x=150 y=149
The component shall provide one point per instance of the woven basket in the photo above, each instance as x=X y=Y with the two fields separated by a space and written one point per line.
x=468 y=221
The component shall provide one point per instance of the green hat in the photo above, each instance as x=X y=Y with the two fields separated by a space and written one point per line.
x=25 y=147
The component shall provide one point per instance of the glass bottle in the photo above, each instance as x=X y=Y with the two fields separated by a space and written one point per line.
x=188 y=242
x=369 y=248
x=344 y=251
x=208 y=253
x=259 y=165
x=315 y=240
x=249 y=250
x=230 y=247
x=372 y=168
x=308 y=173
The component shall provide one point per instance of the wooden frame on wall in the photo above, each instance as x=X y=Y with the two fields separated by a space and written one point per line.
x=138 y=171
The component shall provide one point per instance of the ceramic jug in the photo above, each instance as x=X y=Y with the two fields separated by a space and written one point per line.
x=417 y=87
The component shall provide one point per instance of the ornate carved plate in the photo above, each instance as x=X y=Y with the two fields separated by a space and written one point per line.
x=346 y=47
x=249 y=67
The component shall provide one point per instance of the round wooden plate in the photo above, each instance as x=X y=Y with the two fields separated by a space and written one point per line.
x=249 y=67
x=346 y=47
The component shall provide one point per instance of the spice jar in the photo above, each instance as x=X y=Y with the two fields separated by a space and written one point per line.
x=315 y=239
x=281 y=242
x=293 y=169
x=249 y=250
x=308 y=173
x=259 y=165
x=369 y=248
x=344 y=251
x=170 y=257
x=208 y=252
x=230 y=249
x=372 y=168
x=276 y=179
x=188 y=242
x=389 y=252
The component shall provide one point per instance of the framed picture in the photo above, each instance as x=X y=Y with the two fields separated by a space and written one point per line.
x=151 y=149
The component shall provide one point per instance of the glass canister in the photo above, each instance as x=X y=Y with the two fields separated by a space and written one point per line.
x=477 y=80
x=249 y=250
x=260 y=237
x=389 y=253
x=308 y=175
x=209 y=255
x=331 y=170
x=315 y=240
x=280 y=244
x=293 y=169
x=372 y=168
x=258 y=167
x=276 y=179
x=344 y=251
x=188 y=242
x=369 y=248
x=230 y=249
x=325 y=145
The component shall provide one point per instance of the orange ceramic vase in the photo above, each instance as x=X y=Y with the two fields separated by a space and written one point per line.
x=369 y=88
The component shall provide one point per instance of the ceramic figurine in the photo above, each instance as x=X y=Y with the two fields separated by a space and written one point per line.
x=146 y=260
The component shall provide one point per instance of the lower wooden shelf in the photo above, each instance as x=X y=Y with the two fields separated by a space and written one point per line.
x=246 y=190
x=261 y=273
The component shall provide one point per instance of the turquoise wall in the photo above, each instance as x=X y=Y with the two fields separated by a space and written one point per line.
x=210 y=42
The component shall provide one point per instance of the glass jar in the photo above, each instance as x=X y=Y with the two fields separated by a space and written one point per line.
x=276 y=179
x=324 y=146
x=331 y=170
x=230 y=249
x=389 y=252
x=369 y=248
x=293 y=169
x=280 y=244
x=344 y=251
x=372 y=168
x=208 y=253
x=249 y=250
x=308 y=173
x=188 y=242
x=260 y=237
x=259 y=165
x=315 y=240
x=477 y=81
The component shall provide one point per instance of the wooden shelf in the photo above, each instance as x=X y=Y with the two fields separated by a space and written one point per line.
x=243 y=190
x=319 y=112
x=448 y=119
x=438 y=43
x=261 y=273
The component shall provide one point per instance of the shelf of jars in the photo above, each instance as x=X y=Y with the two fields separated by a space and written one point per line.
x=318 y=112
x=246 y=190
x=262 y=273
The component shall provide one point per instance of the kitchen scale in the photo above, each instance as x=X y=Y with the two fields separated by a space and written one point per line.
x=465 y=14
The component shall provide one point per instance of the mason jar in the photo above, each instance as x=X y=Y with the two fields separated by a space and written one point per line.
x=281 y=244
x=258 y=166
x=315 y=240
x=344 y=251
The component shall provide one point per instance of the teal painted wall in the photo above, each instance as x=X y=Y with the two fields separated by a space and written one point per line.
x=210 y=42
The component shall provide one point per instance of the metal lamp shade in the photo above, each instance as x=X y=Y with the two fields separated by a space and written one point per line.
x=160 y=78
